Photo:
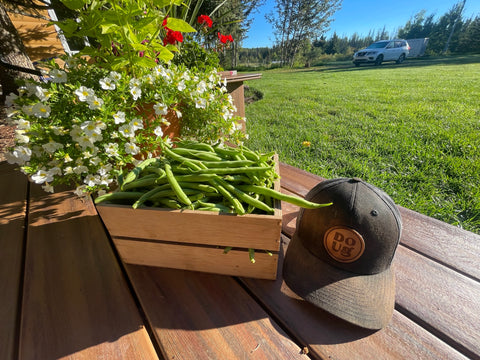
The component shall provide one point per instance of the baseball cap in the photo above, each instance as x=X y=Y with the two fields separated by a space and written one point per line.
x=340 y=256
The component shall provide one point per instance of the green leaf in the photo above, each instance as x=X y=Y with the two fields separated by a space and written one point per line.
x=179 y=25
x=73 y=4
x=108 y=28
x=139 y=47
x=68 y=26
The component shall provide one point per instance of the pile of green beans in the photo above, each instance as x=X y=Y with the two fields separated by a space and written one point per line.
x=199 y=176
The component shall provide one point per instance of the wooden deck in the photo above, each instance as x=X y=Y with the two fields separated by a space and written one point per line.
x=65 y=295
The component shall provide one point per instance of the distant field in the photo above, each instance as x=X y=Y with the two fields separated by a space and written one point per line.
x=411 y=129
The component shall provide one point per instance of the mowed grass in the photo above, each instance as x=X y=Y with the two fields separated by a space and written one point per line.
x=413 y=129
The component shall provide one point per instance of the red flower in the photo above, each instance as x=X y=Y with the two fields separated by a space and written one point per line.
x=205 y=19
x=225 y=38
x=172 y=37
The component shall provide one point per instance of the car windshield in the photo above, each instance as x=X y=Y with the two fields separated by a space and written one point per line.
x=378 y=45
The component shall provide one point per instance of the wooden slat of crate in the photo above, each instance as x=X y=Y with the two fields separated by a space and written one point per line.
x=204 y=316
x=445 y=243
x=76 y=302
x=12 y=218
x=331 y=337
x=198 y=258
x=195 y=227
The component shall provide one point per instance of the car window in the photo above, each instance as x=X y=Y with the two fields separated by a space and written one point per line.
x=391 y=45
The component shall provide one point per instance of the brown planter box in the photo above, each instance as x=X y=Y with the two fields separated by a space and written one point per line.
x=195 y=240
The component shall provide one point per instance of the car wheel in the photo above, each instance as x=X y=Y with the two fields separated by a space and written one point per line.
x=378 y=60
x=401 y=59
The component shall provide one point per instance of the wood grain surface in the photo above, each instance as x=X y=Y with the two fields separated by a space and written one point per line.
x=204 y=316
x=12 y=223
x=76 y=303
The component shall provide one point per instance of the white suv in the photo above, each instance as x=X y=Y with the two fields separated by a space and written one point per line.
x=384 y=50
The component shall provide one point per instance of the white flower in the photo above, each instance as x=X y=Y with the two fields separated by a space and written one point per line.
x=21 y=137
x=94 y=103
x=135 y=82
x=165 y=122
x=119 y=117
x=76 y=132
x=80 y=169
x=104 y=169
x=22 y=124
x=115 y=76
x=41 y=110
x=10 y=99
x=95 y=160
x=42 y=176
x=83 y=93
x=19 y=155
x=111 y=149
x=160 y=109
x=68 y=170
x=201 y=87
x=48 y=188
x=158 y=131
x=42 y=94
x=127 y=131
x=27 y=109
x=85 y=142
x=51 y=147
x=92 y=180
x=181 y=86
x=107 y=83
x=58 y=76
x=136 y=92
x=80 y=190
x=90 y=127
x=132 y=148
x=200 y=103
x=67 y=158
x=136 y=124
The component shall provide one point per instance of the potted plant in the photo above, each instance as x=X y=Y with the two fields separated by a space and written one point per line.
x=108 y=108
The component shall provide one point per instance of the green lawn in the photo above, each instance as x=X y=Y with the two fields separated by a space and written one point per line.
x=411 y=129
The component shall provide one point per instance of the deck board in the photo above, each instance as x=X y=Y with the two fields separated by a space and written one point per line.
x=12 y=218
x=76 y=303
x=203 y=316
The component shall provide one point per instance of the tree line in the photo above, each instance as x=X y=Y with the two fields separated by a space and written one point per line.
x=448 y=33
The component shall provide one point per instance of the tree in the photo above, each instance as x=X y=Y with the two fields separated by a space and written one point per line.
x=298 y=20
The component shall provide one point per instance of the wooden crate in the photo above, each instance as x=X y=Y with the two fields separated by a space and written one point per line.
x=195 y=240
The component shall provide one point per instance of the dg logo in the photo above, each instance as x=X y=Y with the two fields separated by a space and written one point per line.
x=344 y=244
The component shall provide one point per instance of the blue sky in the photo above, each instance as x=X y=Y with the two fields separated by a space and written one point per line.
x=361 y=16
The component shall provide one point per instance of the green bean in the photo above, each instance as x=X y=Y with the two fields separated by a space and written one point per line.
x=237 y=205
x=226 y=171
x=132 y=175
x=195 y=145
x=228 y=163
x=197 y=186
x=197 y=154
x=194 y=178
x=170 y=203
x=149 y=194
x=283 y=197
x=251 y=254
x=175 y=186
x=145 y=181
x=118 y=195
x=192 y=164
x=245 y=197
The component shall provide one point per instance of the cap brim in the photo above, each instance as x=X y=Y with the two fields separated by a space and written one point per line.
x=364 y=300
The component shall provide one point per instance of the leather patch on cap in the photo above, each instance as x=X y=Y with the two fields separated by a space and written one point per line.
x=344 y=244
